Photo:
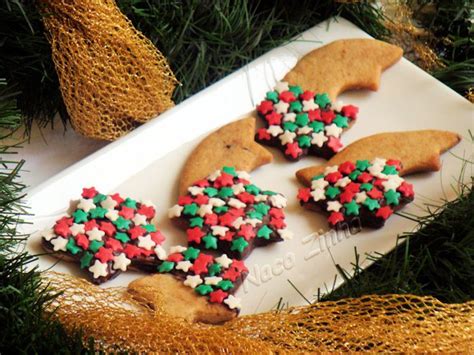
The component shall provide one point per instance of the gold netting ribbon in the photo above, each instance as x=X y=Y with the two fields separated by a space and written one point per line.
x=395 y=323
x=112 y=78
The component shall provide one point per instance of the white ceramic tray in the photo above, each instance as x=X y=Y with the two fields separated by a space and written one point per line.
x=146 y=163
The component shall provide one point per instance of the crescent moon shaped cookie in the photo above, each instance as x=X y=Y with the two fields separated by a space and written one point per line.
x=417 y=150
x=344 y=65
x=231 y=145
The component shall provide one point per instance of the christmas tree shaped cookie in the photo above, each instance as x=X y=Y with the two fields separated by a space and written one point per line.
x=106 y=235
x=226 y=213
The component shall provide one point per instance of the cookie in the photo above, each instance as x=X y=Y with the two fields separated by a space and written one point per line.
x=362 y=193
x=344 y=65
x=416 y=150
x=193 y=285
x=106 y=234
x=231 y=145
x=300 y=122
x=226 y=213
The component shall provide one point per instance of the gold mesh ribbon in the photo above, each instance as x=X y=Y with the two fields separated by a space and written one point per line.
x=112 y=78
x=395 y=323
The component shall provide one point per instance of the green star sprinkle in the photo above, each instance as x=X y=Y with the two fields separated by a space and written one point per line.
x=366 y=186
x=95 y=245
x=149 y=228
x=191 y=253
x=122 y=223
x=341 y=121
x=392 y=197
x=352 y=208
x=167 y=266
x=203 y=289
x=272 y=96
x=225 y=285
x=296 y=106
x=214 y=269
x=210 y=242
x=290 y=126
x=239 y=244
x=210 y=191
x=99 y=198
x=362 y=164
x=322 y=100
x=229 y=170
x=296 y=89
x=332 y=192
x=255 y=214
x=191 y=209
x=302 y=119
x=389 y=170
x=86 y=259
x=264 y=232
x=130 y=203
x=252 y=189
x=317 y=177
x=262 y=208
x=371 y=204
x=225 y=192
x=304 y=141
x=269 y=193
x=353 y=176
x=123 y=237
x=196 y=222
x=72 y=247
x=98 y=212
x=317 y=126
x=80 y=216
x=221 y=209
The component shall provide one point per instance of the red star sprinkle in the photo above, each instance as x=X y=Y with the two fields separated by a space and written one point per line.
x=202 y=183
x=265 y=107
x=378 y=183
x=231 y=274
x=176 y=257
x=157 y=237
x=227 y=219
x=211 y=219
x=201 y=199
x=195 y=234
x=132 y=251
x=239 y=266
x=145 y=252
x=274 y=118
x=314 y=115
x=185 y=200
x=365 y=177
x=108 y=228
x=352 y=187
x=276 y=212
x=113 y=244
x=117 y=198
x=201 y=263
x=304 y=194
x=293 y=149
x=328 y=116
x=246 y=231
x=278 y=223
x=307 y=95
x=218 y=296
x=82 y=241
x=333 y=177
x=89 y=225
x=287 y=96
x=136 y=232
x=384 y=212
x=89 y=192
x=406 y=189
x=127 y=212
x=347 y=167
x=335 y=217
x=104 y=255
x=263 y=134
x=396 y=163
x=66 y=220
x=243 y=181
x=62 y=229
x=237 y=212
x=375 y=193
x=228 y=236
x=334 y=143
x=224 y=180
x=350 y=111
x=245 y=197
x=346 y=196
x=147 y=211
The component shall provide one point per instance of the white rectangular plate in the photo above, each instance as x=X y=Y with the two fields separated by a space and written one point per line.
x=146 y=164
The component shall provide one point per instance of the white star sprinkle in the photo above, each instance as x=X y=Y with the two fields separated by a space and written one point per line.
x=86 y=204
x=318 y=194
x=285 y=234
x=233 y=202
x=193 y=281
x=121 y=262
x=175 y=211
x=282 y=86
x=95 y=234
x=98 y=269
x=59 y=243
x=260 y=198
x=204 y=210
x=333 y=130
x=287 y=137
x=309 y=105
x=319 y=184
x=216 y=202
x=379 y=161
x=195 y=190
x=338 y=105
x=343 y=182
x=47 y=234
x=224 y=261
x=112 y=215
x=281 y=107
x=361 y=197
x=233 y=302
x=289 y=117
x=109 y=203
x=146 y=242
x=238 y=222
x=219 y=230
x=147 y=203
x=318 y=139
x=243 y=175
x=177 y=249
x=77 y=229
x=278 y=200
x=238 y=188
x=334 y=206
x=212 y=280
x=305 y=130
x=274 y=130
x=139 y=219
x=330 y=169
x=393 y=182
x=183 y=265
x=252 y=221
x=160 y=252
x=214 y=175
